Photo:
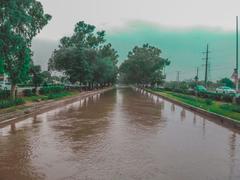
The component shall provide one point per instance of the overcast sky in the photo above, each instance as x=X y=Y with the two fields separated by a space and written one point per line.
x=112 y=15
x=180 y=28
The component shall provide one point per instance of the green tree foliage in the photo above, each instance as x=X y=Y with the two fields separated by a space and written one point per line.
x=46 y=76
x=85 y=57
x=20 y=21
x=227 y=82
x=37 y=75
x=144 y=65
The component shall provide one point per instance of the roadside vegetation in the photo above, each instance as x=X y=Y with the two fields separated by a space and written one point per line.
x=217 y=103
x=20 y=22
x=83 y=61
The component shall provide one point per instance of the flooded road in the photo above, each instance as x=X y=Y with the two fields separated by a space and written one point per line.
x=122 y=134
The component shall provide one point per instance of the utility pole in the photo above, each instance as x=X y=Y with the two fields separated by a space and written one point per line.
x=237 y=84
x=196 y=77
x=206 y=66
x=178 y=76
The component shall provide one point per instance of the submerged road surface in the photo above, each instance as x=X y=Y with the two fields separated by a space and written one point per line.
x=123 y=134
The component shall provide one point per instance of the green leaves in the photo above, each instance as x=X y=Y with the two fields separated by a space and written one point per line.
x=84 y=57
x=144 y=65
x=20 y=21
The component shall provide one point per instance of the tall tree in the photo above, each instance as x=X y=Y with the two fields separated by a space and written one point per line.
x=227 y=82
x=20 y=21
x=84 y=54
x=37 y=76
x=144 y=65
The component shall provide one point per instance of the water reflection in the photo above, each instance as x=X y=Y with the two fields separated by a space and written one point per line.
x=121 y=134
x=194 y=119
x=183 y=114
x=173 y=107
x=232 y=154
x=143 y=109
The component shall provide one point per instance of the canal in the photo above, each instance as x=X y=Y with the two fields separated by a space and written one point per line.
x=121 y=134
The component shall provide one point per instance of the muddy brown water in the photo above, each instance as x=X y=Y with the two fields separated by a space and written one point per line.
x=121 y=134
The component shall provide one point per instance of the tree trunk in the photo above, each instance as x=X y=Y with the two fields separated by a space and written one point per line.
x=13 y=91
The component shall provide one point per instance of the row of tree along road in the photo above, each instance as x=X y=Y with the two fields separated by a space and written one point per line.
x=84 y=59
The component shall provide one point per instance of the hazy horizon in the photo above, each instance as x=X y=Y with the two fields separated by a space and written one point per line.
x=184 y=48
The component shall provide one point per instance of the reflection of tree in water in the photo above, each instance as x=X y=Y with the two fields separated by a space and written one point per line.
x=16 y=155
x=232 y=154
x=183 y=114
x=173 y=107
x=204 y=127
x=141 y=108
x=86 y=122
x=194 y=119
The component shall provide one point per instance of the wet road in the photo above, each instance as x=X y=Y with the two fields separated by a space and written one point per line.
x=122 y=134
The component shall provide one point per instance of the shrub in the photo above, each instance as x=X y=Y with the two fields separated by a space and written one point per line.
x=55 y=96
x=238 y=100
x=209 y=102
x=227 y=97
x=28 y=92
x=4 y=94
x=10 y=102
x=51 y=89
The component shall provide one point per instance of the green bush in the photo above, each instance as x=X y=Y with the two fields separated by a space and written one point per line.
x=10 y=102
x=28 y=92
x=4 y=94
x=227 y=97
x=51 y=89
x=57 y=95
x=238 y=100
x=209 y=102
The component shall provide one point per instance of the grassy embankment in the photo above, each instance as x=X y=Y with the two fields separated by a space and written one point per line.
x=12 y=104
x=225 y=109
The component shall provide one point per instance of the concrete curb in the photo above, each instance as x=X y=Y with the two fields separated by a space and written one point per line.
x=219 y=119
x=38 y=109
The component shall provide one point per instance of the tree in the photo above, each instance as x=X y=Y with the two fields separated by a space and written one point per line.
x=46 y=76
x=73 y=62
x=144 y=65
x=227 y=82
x=84 y=57
x=37 y=76
x=20 y=21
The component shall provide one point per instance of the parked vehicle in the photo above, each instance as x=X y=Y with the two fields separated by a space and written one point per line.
x=5 y=85
x=225 y=90
x=200 y=89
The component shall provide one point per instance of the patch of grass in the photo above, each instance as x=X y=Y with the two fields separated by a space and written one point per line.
x=58 y=95
x=35 y=98
x=225 y=109
x=50 y=96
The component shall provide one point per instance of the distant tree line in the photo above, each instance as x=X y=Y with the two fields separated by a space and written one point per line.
x=85 y=57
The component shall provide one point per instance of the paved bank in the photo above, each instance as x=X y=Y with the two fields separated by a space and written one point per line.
x=220 y=119
x=25 y=111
